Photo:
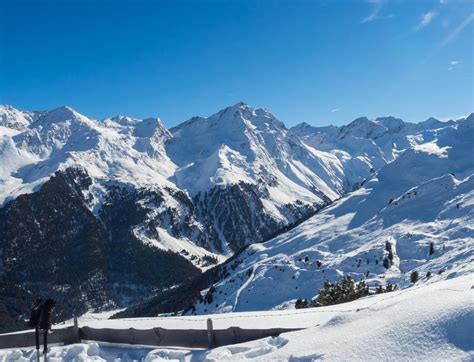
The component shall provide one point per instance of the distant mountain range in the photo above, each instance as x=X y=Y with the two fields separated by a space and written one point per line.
x=103 y=214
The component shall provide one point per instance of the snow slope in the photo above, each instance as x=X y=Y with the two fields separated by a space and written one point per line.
x=423 y=197
x=432 y=322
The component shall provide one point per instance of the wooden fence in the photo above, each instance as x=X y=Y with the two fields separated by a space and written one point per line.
x=189 y=338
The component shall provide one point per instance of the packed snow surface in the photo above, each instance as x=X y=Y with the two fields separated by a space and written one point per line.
x=432 y=321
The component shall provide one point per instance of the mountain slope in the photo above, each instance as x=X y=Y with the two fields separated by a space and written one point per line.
x=104 y=204
x=381 y=232
x=282 y=179
x=52 y=244
x=148 y=209
x=248 y=152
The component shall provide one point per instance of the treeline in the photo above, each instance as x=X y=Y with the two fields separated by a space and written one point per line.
x=184 y=297
x=343 y=291
x=15 y=305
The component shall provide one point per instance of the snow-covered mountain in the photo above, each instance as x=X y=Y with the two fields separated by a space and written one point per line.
x=138 y=208
x=235 y=178
x=251 y=175
x=124 y=193
x=414 y=214
x=366 y=145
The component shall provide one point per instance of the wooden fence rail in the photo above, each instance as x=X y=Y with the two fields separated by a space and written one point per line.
x=27 y=338
x=189 y=338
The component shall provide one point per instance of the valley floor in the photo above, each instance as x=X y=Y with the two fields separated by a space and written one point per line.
x=427 y=322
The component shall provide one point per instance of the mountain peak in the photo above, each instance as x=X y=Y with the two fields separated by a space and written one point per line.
x=303 y=126
x=393 y=124
x=241 y=104
x=151 y=127
x=59 y=114
x=124 y=120
x=359 y=120
x=12 y=117
x=238 y=112
x=63 y=110
x=238 y=106
x=7 y=107
x=364 y=128
x=430 y=123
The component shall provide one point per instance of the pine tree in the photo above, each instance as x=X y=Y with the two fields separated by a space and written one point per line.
x=343 y=291
x=301 y=303
x=414 y=276
x=388 y=288
x=432 y=248
x=209 y=296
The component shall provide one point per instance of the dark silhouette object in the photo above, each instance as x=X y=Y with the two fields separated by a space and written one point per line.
x=346 y=290
x=35 y=313
x=46 y=310
x=387 y=289
x=301 y=303
x=45 y=321
x=414 y=277
x=432 y=248
x=40 y=318
x=34 y=322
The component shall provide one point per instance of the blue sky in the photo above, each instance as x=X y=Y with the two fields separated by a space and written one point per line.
x=316 y=61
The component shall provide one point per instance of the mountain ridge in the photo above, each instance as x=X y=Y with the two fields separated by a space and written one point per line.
x=201 y=191
x=411 y=216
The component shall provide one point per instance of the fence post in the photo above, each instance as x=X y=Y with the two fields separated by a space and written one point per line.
x=210 y=334
x=77 y=337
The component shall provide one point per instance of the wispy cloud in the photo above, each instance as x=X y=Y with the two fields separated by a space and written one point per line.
x=445 y=23
x=376 y=7
x=335 y=110
x=425 y=19
x=453 y=64
x=451 y=36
